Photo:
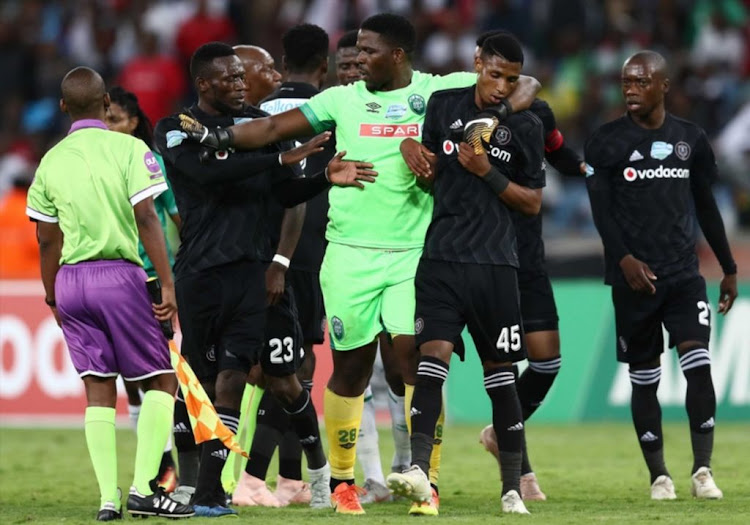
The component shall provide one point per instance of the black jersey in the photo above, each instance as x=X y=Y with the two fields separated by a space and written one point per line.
x=641 y=184
x=470 y=224
x=308 y=255
x=529 y=227
x=223 y=200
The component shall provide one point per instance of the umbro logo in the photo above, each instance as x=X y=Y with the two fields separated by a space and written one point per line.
x=373 y=107
x=636 y=155
x=415 y=412
x=518 y=426
x=181 y=428
x=457 y=124
x=709 y=423
x=648 y=437
x=221 y=454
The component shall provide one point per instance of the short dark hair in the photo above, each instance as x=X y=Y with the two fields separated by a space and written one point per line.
x=204 y=55
x=504 y=45
x=348 y=39
x=305 y=47
x=395 y=29
x=487 y=34
x=129 y=102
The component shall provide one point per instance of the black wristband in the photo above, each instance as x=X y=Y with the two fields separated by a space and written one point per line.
x=50 y=302
x=729 y=270
x=496 y=180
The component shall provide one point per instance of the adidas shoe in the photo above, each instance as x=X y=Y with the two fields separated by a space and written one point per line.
x=291 y=491
x=108 y=512
x=345 y=499
x=217 y=511
x=530 y=490
x=703 y=485
x=374 y=492
x=183 y=494
x=513 y=504
x=663 y=488
x=156 y=504
x=111 y=510
x=252 y=492
x=320 y=487
x=429 y=508
x=412 y=483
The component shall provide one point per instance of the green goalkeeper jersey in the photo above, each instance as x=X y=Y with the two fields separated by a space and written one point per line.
x=393 y=212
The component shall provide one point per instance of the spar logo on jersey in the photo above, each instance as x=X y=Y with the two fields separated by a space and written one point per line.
x=450 y=147
x=401 y=131
x=661 y=172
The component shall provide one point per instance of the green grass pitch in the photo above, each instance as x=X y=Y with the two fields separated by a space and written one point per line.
x=592 y=473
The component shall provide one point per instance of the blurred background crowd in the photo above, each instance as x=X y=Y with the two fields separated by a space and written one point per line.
x=574 y=47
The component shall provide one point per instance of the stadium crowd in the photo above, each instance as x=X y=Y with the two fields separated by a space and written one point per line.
x=574 y=47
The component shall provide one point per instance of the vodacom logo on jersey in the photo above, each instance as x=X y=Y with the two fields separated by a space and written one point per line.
x=390 y=130
x=661 y=172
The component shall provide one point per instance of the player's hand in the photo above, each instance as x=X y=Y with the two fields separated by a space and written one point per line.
x=349 y=172
x=727 y=292
x=215 y=138
x=476 y=163
x=275 y=278
x=301 y=152
x=638 y=275
x=420 y=160
x=478 y=132
x=167 y=309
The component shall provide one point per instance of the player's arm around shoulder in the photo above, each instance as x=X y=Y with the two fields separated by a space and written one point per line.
x=421 y=157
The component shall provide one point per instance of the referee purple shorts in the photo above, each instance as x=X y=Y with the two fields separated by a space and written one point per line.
x=108 y=322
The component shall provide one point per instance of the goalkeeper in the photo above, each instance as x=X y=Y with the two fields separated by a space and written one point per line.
x=467 y=273
x=375 y=236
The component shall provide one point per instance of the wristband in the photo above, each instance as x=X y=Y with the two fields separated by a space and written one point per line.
x=283 y=261
x=496 y=180
x=281 y=162
x=50 y=302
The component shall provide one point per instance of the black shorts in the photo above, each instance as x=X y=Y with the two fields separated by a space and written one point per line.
x=482 y=297
x=309 y=299
x=538 y=309
x=222 y=313
x=681 y=306
x=282 y=351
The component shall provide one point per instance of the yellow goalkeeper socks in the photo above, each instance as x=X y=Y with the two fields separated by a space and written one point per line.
x=342 y=416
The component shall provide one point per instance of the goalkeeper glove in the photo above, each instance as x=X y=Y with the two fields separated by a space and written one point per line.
x=478 y=132
x=216 y=138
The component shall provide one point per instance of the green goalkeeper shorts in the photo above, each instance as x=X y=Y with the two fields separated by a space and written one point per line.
x=366 y=289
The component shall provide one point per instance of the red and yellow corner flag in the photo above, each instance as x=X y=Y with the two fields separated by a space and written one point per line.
x=203 y=417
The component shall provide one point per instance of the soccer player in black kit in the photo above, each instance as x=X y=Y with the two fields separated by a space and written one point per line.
x=646 y=172
x=538 y=309
x=219 y=269
x=467 y=274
